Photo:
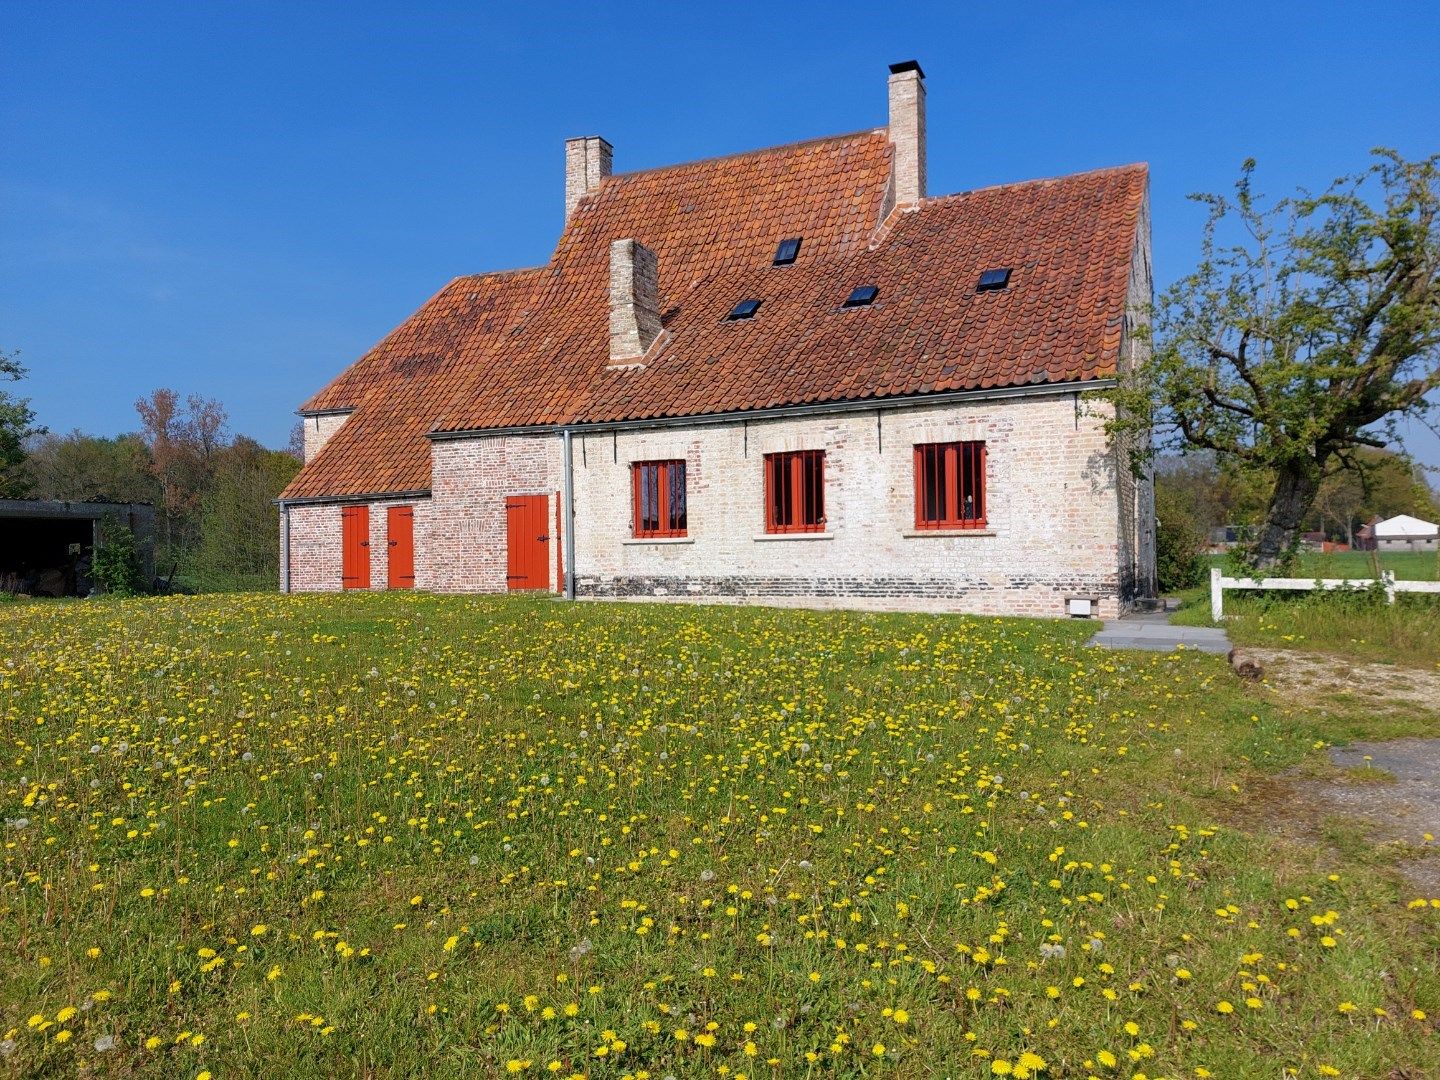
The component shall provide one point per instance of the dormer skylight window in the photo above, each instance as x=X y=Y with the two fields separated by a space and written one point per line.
x=863 y=296
x=993 y=280
x=787 y=252
x=745 y=309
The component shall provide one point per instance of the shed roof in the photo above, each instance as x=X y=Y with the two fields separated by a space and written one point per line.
x=1403 y=526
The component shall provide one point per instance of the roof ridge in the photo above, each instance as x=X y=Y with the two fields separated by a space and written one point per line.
x=512 y=272
x=1141 y=166
x=748 y=153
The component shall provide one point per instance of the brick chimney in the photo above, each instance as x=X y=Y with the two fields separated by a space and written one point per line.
x=587 y=162
x=907 y=131
x=634 y=301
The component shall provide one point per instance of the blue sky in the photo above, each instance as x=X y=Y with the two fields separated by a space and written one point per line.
x=238 y=199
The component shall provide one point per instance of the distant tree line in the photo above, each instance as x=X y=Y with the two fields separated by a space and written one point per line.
x=216 y=521
x=1214 y=493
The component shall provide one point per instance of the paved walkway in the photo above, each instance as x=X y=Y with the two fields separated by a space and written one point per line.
x=1152 y=630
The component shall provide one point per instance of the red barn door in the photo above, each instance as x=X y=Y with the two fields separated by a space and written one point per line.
x=400 y=534
x=355 y=547
x=528 y=552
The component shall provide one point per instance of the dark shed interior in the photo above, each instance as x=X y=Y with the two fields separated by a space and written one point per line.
x=46 y=547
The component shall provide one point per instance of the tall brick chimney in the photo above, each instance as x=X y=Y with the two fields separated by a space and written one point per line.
x=587 y=162
x=634 y=301
x=907 y=131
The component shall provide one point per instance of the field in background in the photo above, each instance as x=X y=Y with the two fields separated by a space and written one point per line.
x=1360 y=627
x=399 y=834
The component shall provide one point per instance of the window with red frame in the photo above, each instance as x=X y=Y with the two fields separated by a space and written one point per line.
x=950 y=485
x=659 y=498
x=795 y=491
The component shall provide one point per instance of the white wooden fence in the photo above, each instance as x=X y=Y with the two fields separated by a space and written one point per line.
x=1219 y=583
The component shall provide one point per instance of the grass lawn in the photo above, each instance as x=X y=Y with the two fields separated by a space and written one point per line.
x=1359 y=627
x=396 y=835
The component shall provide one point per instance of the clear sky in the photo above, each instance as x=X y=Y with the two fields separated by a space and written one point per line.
x=239 y=199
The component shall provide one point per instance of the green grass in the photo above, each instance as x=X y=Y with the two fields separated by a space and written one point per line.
x=1408 y=565
x=399 y=835
x=1361 y=627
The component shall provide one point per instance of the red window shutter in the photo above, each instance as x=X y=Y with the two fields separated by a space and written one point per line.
x=659 y=498
x=795 y=491
x=950 y=485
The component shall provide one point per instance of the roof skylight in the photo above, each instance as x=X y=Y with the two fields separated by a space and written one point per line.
x=863 y=296
x=786 y=253
x=991 y=280
x=745 y=309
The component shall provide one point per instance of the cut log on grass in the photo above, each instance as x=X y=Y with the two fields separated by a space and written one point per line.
x=1245 y=665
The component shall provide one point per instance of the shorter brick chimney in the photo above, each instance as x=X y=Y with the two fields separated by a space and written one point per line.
x=587 y=162
x=907 y=131
x=634 y=301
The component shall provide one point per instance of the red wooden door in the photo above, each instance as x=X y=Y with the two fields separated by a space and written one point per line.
x=400 y=537
x=355 y=547
x=528 y=553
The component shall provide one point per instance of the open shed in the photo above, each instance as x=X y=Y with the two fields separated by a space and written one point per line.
x=46 y=545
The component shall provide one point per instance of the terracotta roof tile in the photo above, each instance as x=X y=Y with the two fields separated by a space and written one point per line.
x=530 y=347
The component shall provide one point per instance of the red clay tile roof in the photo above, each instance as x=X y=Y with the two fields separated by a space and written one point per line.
x=530 y=347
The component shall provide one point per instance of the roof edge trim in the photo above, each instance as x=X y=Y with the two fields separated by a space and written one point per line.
x=798 y=145
x=322 y=500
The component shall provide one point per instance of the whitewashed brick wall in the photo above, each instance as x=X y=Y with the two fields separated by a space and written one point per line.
x=1052 y=513
x=1054 y=520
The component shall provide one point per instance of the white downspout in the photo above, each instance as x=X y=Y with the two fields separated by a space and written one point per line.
x=567 y=513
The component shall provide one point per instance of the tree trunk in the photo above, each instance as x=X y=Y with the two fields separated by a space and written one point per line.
x=1296 y=486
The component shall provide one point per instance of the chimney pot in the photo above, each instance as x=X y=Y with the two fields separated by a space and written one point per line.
x=634 y=301
x=587 y=162
x=907 y=131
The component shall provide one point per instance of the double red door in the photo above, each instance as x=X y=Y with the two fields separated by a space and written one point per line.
x=528 y=542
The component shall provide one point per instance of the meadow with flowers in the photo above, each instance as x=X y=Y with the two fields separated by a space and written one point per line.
x=402 y=835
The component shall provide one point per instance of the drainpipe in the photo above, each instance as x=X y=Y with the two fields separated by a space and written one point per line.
x=567 y=513
x=284 y=546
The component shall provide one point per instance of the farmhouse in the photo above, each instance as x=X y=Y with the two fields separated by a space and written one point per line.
x=788 y=376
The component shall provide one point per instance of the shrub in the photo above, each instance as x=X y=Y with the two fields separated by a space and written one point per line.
x=116 y=566
x=1177 y=543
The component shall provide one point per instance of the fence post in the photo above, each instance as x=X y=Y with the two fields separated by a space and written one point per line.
x=1216 y=605
x=1388 y=577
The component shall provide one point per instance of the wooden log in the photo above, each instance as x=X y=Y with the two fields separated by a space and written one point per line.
x=1245 y=665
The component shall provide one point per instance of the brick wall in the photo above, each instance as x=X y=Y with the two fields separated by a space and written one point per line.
x=315 y=545
x=1052 y=513
x=470 y=480
x=318 y=430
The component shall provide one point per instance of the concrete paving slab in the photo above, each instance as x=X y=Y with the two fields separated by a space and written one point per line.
x=1153 y=632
